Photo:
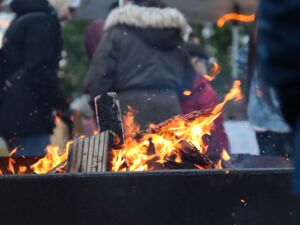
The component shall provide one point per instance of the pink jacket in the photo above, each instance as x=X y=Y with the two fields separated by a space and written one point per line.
x=205 y=97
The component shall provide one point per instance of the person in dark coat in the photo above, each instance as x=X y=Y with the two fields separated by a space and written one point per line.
x=29 y=65
x=279 y=52
x=142 y=57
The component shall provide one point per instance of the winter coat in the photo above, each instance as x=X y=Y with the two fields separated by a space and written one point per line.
x=31 y=54
x=142 y=57
x=204 y=97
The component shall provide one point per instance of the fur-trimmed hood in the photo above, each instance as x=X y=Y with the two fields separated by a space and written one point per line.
x=149 y=18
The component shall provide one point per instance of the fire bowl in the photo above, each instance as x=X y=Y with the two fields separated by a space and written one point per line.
x=212 y=197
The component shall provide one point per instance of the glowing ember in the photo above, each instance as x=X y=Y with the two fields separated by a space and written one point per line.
x=150 y=150
x=235 y=17
x=214 y=72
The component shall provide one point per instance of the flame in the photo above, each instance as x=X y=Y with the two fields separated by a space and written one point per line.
x=52 y=160
x=214 y=72
x=10 y=167
x=235 y=17
x=11 y=162
x=225 y=156
x=13 y=152
x=187 y=92
x=22 y=169
x=142 y=152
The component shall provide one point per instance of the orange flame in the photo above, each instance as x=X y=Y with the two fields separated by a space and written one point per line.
x=187 y=92
x=10 y=167
x=235 y=17
x=140 y=154
x=215 y=71
x=22 y=169
x=13 y=152
x=52 y=160
x=225 y=156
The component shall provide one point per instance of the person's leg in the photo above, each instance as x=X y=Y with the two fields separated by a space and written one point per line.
x=31 y=146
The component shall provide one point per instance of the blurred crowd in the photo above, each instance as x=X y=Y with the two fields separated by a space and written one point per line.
x=148 y=54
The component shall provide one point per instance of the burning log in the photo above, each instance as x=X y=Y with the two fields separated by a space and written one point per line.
x=191 y=158
x=109 y=117
x=190 y=153
x=168 y=123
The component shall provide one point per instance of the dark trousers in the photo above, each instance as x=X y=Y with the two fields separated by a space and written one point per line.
x=275 y=144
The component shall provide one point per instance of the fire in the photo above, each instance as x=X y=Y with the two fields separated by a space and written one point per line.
x=187 y=92
x=10 y=167
x=225 y=156
x=52 y=161
x=148 y=151
x=11 y=162
x=22 y=169
x=235 y=17
x=214 y=72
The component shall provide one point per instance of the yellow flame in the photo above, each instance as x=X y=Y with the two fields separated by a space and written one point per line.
x=225 y=156
x=52 y=159
x=137 y=155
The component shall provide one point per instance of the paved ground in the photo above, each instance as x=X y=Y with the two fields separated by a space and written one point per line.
x=241 y=137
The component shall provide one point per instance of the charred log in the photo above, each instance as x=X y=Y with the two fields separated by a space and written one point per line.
x=189 y=153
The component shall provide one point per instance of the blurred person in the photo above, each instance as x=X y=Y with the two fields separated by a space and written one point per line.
x=85 y=122
x=29 y=85
x=142 y=57
x=65 y=8
x=279 y=52
x=204 y=97
x=273 y=134
x=194 y=39
x=94 y=32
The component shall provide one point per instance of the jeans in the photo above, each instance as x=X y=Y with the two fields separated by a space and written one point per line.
x=30 y=146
